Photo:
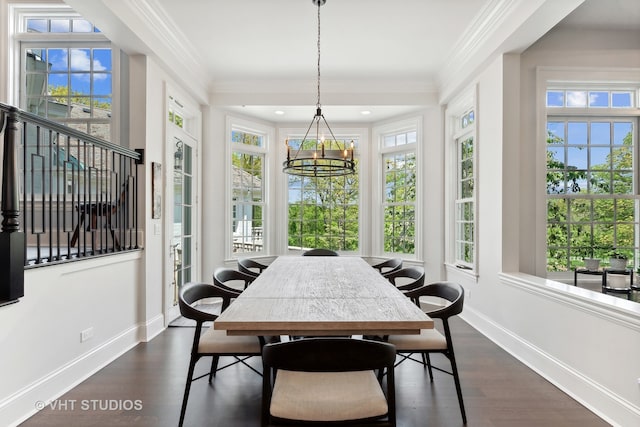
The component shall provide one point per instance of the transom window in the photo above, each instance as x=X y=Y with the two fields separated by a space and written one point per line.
x=579 y=98
x=592 y=203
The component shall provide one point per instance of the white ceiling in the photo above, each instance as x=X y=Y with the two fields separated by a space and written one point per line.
x=276 y=39
x=367 y=46
x=391 y=43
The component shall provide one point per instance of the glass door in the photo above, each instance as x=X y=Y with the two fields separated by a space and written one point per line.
x=181 y=212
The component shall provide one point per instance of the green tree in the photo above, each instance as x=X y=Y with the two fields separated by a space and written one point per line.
x=589 y=227
x=399 y=215
x=61 y=94
x=325 y=211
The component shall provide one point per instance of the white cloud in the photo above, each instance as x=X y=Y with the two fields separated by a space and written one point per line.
x=576 y=99
x=80 y=61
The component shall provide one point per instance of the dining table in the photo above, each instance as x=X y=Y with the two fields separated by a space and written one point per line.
x=322 y=296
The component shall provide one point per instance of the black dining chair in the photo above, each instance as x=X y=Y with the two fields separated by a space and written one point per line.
x=212 y=342
x=328 y=381
x=228 y=277
x=406 y=278
x=388 y=266
x=251 y=266
x=320 y=252
x=431 y=340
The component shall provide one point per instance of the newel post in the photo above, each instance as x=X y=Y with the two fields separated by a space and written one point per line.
x=12 y=240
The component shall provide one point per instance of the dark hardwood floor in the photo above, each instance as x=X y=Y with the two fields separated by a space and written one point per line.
x=499 y=391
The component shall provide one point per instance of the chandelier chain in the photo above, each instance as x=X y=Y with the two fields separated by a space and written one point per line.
x=327 y=159
x=318 y=102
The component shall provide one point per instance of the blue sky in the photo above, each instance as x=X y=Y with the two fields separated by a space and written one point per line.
x=592 y=99
x=71 y=67
x=577 y=133
x=77 y=63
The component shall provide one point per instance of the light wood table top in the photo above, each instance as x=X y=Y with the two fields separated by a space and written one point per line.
x=340 y=295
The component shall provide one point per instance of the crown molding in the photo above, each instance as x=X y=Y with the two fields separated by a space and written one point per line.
x=501 y=26
x=144 y=27
x=481 y=29
x=160 y=24
x=477 y=41
x=172 y=43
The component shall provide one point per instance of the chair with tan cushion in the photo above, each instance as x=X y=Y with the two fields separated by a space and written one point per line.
x=212 y=342
x=327 y=381
x=431 y=340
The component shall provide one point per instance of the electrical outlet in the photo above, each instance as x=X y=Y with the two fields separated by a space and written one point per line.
x=87 y=334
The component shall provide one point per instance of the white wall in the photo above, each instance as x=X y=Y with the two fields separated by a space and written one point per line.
x=42 y=355
x=121 y=296
x=213 y=194
x=585 y=343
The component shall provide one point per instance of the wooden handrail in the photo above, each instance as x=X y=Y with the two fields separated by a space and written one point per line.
x=57 y=127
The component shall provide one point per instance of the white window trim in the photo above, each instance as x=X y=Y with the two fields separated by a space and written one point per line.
x=466 y=101
x=552 y=77
x=268 y=211
x=377 y=177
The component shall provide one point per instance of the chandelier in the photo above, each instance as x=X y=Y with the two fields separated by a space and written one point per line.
x=324 y=159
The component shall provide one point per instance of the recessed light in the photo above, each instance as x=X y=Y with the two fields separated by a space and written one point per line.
x=365 y=112
x=279 y=112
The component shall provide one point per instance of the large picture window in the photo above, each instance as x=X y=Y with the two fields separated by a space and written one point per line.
x=324 y=212
x=591 y=184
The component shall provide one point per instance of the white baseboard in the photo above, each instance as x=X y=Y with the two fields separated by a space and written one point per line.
x=152 y=328
x=589 y=393
x=24 y=403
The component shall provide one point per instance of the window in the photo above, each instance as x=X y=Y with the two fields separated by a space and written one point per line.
x=66 y=74
x=399 y=191
x=324 y=212
x=248 y=160
x=67 y=79
x=464 y=211
x=591 y=176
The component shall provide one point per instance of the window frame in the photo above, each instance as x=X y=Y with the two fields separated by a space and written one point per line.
x=404 y=149
x=460 y=136
x=548 y=78
x=588 y=116
x=456 y=109
x=378 y=177
x=22 y=40
x=267 y=132
x=341 y=134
